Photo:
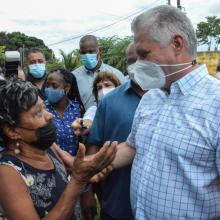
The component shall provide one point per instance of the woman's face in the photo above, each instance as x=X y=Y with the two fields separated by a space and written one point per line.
x=105 y=84
x=55 y=81
x=36 y=117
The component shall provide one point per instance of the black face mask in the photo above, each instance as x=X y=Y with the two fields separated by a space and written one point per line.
x=46 y=136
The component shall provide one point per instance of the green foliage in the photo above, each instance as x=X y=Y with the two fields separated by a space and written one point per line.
x=19 y=41
x=53 y=65
x=2 y=53
x=71 y=60
x=208 y=32
x=113 y=51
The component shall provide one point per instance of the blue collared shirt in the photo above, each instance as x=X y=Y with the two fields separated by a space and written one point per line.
x=175 y=173
x=113 y=122
x=85 y=80
x=65 y=136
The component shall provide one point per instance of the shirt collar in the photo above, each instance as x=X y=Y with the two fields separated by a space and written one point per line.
x=187 y=83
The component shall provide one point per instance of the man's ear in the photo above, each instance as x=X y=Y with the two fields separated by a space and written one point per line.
x=11 y=133
x=178 y=43
x=100 y=50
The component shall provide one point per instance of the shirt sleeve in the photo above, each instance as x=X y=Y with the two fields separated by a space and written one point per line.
x=90 y=113
x=136 y=121
x=96 y=135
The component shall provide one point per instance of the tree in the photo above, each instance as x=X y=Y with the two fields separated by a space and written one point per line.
x=71 y=60
x=113 y=51
x=209 y=32
x=18 y=41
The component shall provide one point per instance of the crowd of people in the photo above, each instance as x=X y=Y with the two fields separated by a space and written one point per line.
x=150 y=148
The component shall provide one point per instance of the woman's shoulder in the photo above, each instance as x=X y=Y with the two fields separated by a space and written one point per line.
x=7 y=159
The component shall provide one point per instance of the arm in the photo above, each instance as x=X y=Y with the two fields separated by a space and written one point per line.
x=17 y=203
x=124 y=156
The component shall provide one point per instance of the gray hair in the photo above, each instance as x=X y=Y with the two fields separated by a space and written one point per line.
x=162 y=23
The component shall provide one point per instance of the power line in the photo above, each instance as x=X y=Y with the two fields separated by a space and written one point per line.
x=101 y=28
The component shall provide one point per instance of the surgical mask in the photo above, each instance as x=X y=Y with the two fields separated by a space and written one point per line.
x=103 y=92
x=37 y=70
x=89 y=60
x=46 y=136
x=149 y=75
x=54 y=95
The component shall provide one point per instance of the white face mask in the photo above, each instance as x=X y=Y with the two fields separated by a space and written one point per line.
x=149 y=75
x=103 y=92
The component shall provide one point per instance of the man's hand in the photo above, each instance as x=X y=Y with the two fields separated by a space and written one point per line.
x=81 y=126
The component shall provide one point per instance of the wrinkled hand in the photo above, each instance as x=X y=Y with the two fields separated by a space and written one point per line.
x=81 y=126
x=84 y=168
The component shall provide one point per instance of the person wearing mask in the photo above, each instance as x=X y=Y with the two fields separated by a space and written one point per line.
x=92 y=64
x=36 y=73
x=174 y=140
x=34 y=182
x=63 y=102
x=103 y=83
x=131 y=56
x=113 y=121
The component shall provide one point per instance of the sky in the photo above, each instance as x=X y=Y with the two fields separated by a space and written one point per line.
x=55 y=21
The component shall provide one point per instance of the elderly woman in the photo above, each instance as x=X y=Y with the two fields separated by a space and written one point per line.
x=103 y=83
x=34 y=183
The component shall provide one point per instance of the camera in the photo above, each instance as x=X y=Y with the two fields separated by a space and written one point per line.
x=12 y=61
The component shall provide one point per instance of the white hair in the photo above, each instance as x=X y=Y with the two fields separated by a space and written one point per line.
x=162 y=23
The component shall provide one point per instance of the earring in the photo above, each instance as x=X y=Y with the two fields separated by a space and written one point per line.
x=17 y=150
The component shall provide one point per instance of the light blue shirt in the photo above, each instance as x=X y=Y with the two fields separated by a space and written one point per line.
x=175 y=173
x=85 y=80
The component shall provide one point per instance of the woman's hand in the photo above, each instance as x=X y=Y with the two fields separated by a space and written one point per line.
x=94 y=167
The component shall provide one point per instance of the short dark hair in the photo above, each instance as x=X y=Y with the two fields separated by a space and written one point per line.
x=16 y=96
x=89 y=38
x=35 y=50
x=101 y=76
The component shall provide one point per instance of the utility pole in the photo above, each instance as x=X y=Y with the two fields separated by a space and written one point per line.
x=168 y=2
x=178 y=4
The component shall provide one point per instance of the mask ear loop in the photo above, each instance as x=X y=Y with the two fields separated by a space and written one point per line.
x=178 y=71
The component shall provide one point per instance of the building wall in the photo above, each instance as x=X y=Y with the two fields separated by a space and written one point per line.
x=211 y=59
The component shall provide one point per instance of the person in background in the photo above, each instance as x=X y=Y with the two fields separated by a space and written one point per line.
x=103 y=83
x=131 y=56
x=34 y=183
x=36 y=73
x=63 y=102
x=92 y=64
x=113 y=121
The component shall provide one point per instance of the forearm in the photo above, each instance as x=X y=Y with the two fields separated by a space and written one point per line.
x=65 y=205
x=124 y=156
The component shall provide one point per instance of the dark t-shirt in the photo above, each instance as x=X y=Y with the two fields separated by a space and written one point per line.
x=113 y=121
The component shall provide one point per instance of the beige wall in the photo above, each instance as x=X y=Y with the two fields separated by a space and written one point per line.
x=211 y=59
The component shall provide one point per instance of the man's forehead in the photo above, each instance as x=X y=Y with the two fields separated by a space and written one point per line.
x=37 y=55
x=89 y=43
